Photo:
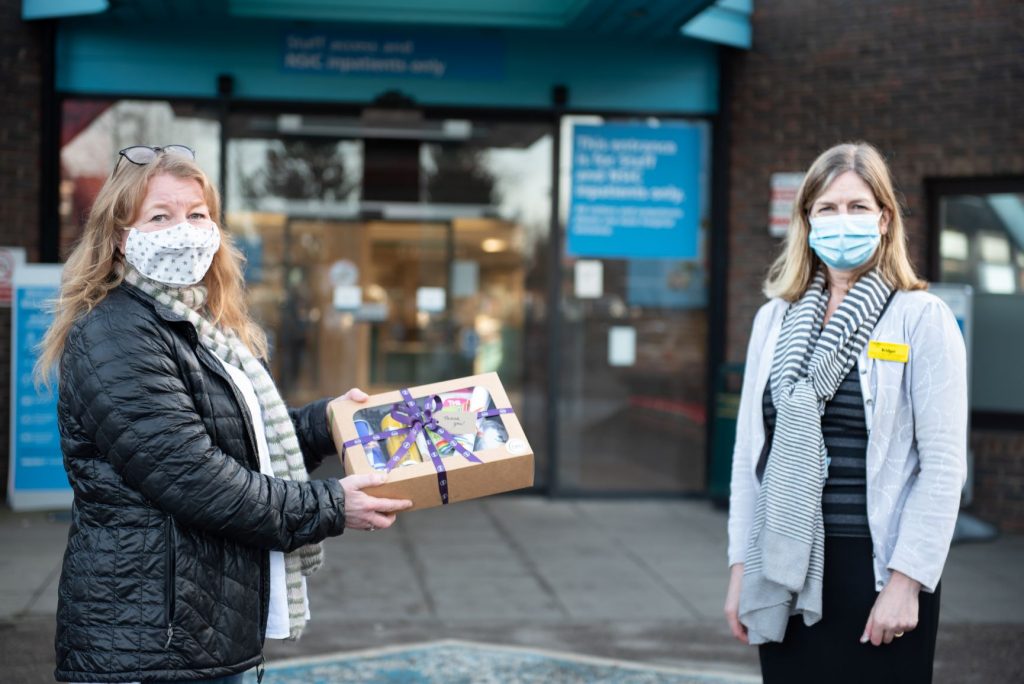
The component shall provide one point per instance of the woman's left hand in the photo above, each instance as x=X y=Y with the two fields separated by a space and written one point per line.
x=894 y=612
x=355 y=394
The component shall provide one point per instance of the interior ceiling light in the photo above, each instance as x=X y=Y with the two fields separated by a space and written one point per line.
x=492 y=245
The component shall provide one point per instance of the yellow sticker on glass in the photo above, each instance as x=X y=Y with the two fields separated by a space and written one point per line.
x=888 y=351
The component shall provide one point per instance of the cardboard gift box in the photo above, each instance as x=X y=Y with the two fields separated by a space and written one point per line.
x=438 y=443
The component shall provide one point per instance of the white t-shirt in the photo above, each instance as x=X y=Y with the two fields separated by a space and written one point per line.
x=277 y=619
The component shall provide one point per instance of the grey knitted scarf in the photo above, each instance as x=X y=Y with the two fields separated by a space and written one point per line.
x=785 y=560
x=285 y=453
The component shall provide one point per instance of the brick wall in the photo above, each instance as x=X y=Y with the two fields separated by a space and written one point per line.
x=999 y=478
x=938 y=87
x=20 y=82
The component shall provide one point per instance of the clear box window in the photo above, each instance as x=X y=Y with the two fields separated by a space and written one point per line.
x=477 y=433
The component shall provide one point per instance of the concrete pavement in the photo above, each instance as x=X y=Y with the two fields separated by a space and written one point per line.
x=640 y=580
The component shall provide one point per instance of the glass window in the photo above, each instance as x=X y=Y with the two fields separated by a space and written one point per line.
x=92 y=132
x=392 y=251
x=981 y=243
x=634 y=330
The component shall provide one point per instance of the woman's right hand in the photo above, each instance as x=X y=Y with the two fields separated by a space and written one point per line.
x=365 y=512
x=732 y=603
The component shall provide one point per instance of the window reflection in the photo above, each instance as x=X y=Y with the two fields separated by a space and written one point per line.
x=981 y=244
x=93 y=131
x=384 y=263
x=982 y=241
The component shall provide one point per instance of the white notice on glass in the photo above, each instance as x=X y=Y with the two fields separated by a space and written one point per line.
x=621 y=346
x=589 y=277
x=430 y=299
x=465 y=278
x=347 y=297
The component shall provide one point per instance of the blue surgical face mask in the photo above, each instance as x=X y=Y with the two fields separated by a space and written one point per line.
x=845 y=241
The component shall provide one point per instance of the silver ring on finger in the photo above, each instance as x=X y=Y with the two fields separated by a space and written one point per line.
x=898 y=634
x=371 y=528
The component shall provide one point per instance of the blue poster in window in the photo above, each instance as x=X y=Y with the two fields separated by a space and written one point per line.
x=666 y=284
x=636 y=191
x=37 y=478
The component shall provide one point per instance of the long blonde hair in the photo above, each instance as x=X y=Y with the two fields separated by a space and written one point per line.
x=793 y=270
x=94 y=267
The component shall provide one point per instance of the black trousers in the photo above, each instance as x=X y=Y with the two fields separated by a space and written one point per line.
x=830 y=651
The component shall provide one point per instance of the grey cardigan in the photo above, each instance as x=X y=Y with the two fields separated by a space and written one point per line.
x=916 y=414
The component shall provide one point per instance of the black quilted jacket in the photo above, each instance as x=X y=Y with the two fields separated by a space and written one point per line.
x=166 y=570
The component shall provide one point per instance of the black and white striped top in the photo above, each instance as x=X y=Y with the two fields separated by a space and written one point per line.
x=844 y=499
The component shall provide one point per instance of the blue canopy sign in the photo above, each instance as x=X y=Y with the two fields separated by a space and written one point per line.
x=635 y=191
x=433 y=57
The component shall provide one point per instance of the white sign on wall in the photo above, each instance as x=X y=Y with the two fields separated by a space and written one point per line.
x=784 y=189
x=11 y=259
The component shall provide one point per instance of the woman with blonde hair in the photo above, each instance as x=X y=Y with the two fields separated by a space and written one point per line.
x=194 y=522
x=851 y=443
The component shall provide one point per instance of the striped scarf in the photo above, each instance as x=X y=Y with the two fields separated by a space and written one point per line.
x=285 y=453
x=785 y=559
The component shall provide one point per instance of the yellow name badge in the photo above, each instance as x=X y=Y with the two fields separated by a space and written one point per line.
x=888 y=351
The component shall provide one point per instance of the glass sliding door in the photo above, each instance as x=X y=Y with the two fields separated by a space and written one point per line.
x=390 y=257
x=634 y=327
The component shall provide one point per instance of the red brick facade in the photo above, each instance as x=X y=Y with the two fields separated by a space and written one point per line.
x=20 y=95
x=937 y=87
x=999 y=478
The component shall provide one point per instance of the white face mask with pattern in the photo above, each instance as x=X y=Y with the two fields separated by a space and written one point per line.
x=177 y=256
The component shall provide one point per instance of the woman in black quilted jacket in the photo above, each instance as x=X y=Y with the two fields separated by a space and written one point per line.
x=194 y=523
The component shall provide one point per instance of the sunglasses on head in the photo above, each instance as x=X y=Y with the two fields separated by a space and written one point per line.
x=140 y=155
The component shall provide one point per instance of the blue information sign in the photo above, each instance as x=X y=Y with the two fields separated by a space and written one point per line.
x=635 y=191
x=401 y=55
x=37 y=478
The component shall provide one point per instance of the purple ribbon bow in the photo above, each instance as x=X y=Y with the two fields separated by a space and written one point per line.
x=416 y=419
